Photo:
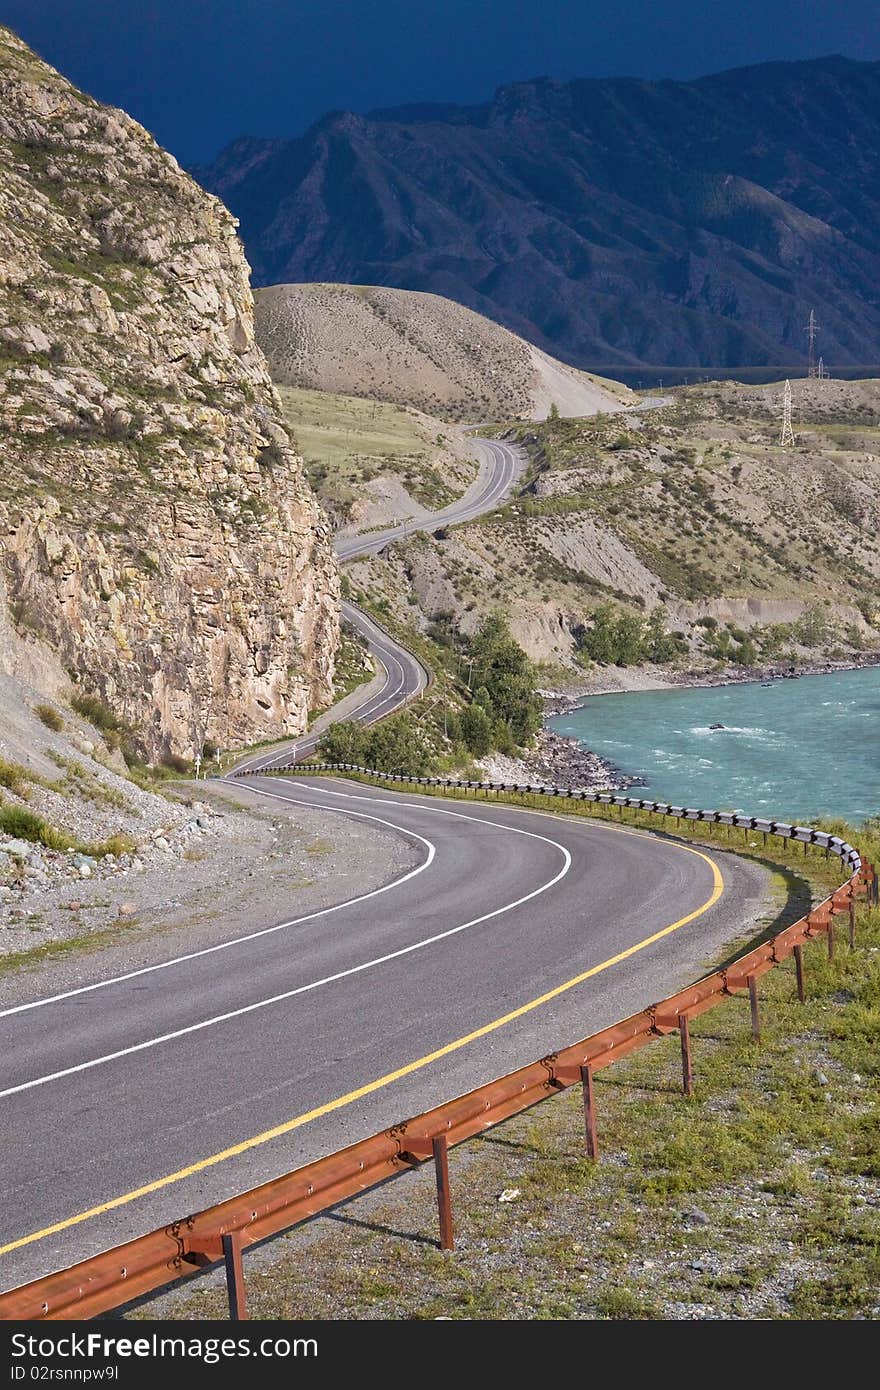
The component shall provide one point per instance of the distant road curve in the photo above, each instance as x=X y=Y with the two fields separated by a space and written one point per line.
x=405 y=676
x=500 y=466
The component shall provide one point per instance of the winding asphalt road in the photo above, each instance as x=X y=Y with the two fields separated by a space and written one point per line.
x=500 y=466
x=404 y=675
x=128 y=1100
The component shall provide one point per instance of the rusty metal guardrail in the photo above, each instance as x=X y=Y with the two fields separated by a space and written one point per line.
x=221 y=1233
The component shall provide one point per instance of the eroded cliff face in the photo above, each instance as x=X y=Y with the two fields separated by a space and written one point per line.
x=156 y=528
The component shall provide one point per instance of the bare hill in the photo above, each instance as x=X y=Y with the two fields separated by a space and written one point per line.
x=418 y=349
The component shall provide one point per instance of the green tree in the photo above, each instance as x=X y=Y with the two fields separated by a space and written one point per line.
x=812 y=629
x=628 y=633
x=658 y=644
x=476 y=730
x=504 y=673
x=343 y=743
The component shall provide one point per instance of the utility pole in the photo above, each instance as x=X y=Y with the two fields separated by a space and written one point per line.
x=811 y=329
x=787 y=436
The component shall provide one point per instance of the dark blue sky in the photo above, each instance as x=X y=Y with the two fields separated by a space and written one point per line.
x=199 y=72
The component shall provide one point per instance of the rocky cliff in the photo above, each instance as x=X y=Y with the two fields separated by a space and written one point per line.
x=156 y=529
x=614 y=223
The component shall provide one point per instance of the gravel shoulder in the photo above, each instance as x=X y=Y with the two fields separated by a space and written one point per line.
x=227 y=862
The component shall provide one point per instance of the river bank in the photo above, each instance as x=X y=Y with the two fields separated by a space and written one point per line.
x=623 y=680
x=557 y=761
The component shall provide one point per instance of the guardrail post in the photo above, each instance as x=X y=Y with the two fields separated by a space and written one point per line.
x=440 y=1149
x=589 y=1112
x=235 y=1277
x=852 y=924
x=799 y=970
x=753 y=1001
x=831 y=938
x=687 y=1072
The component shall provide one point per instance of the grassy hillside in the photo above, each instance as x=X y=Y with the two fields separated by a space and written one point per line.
x=373 y=462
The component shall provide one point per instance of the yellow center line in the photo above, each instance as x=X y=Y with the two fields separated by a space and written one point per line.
x=299 y=1120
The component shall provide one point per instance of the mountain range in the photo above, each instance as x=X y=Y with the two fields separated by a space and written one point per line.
x=612 y=222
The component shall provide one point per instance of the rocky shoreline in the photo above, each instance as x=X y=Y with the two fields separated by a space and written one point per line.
x=559 y=762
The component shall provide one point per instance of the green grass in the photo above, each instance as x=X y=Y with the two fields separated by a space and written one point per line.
x=754 y=1199
x=346 y=441
x=17 y=779
x=79 y=781
x=27 y=825
x=50 y=717
x=13 y=961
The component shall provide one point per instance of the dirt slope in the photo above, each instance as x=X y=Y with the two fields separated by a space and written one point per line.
x=418 y=349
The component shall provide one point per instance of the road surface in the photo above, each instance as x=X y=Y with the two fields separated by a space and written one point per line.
x=127 y=1102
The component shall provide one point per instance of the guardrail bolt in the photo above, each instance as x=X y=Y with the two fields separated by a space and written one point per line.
x=687 y=1071
x=799 y=970
x=235 y=1277
x=440 y=1148
x=589 y=1112
x=753 y=1001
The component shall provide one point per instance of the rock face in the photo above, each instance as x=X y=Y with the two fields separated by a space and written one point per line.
x=156 y=529
x=614 y=223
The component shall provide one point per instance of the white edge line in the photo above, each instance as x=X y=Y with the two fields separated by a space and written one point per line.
x=251 y=936
x=327 y=979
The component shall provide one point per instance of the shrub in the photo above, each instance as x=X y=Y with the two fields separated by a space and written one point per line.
x=116 y=845
x=50 y=717
x=174 y=762
x=25 y=825
x=14 y=777
x=117 y=733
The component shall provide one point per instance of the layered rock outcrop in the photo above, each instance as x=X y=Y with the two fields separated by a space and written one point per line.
x=156 y=528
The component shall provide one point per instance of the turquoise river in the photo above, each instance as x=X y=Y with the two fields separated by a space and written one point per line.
x=793 y=749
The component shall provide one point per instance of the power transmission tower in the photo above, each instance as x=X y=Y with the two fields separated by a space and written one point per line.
x=787 y=436
x=822 y=370
x=812 y=329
